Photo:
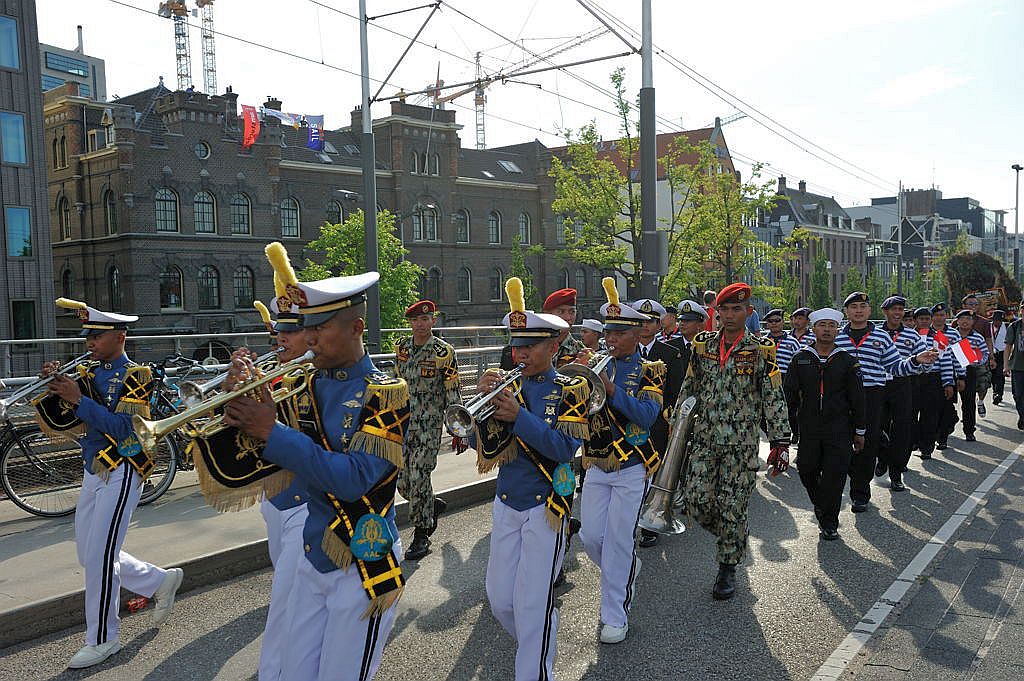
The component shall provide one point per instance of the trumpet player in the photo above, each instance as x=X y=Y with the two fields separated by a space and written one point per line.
x=734 y=376
x=345 y=447
x=111 y=388
x=620 y=456
x=533 y=435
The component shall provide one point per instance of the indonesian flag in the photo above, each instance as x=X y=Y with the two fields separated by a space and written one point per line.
x=940 y=339
x=252 y=126
x=965 y=353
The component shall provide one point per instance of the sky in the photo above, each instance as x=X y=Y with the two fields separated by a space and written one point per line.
x=873 y=93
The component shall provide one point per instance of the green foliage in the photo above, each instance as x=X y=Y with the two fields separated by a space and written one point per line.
x=915 y=290
x=877 y=290
x=819 y=282
x=974 y=272
x=344 y=253
x=517 y=268
x=854 y=282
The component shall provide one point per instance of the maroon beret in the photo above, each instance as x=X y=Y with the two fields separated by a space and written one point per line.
x=421 y=307
x=734 y=293
x=563 y=296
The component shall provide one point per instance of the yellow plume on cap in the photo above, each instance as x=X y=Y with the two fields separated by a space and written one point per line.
x=278 y=258
x=514 y=292
x=262 y=309
x=69 y=304
x=610 y=290
x=279 y=289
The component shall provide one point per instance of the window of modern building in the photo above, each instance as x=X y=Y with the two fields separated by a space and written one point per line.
x=110 y=212
x=23 y=318
x=242 y=284
x=9 y=58
x=494 y=227
x=424 y=225
x=67 y=283
x=171 y=289
x=50 y=82
x=114 y=288
x=464 y=285
x=205 y=211
x=18 y=227
x=289 y=217
x=166 y=207
x=209 y=288
x=64 y=217
x=60 y=62
x=462 y=227
x=240 y=214
x=497 y=284
x=581 y=282
x=335 y=215
x=12 y=138
x=524 y=228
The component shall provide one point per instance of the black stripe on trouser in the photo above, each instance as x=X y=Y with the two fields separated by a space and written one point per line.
x=106 y=593
x=632 y=567
x=372 y=629
x=551 y=606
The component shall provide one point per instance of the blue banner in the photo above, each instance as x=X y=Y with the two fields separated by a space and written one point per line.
x=316 y=132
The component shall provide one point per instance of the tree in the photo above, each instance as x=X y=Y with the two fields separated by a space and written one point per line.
x=975 y=272
x=854 y=282
x=344 y=253
x=517 y=268
x=819 y=282
x=877 y=290
x=915 y=289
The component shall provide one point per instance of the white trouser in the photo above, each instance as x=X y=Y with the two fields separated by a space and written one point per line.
x=101 y=522
x=327 y=640
x=284 y=538
x=526 y=555
x=609 y=509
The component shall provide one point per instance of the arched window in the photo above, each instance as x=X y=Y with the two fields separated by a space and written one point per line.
x=432 y=288
x=524 y=228
x=241 y=214
x=166 y=208
x=581 y=282
x=170 y=289
x=497 y=283
x=289 y=217
x=424 y=224
x=64 y=217
x=67 y=283
x=494 y=227
x=114 y=288
x=55 y=153
x=110 y=212
x=423 y=164
x=462 y=227
x=563 y=277
x=435 y=164
x=242 y=284
x=414 y=164
x=335 y=215
x=464 y=285
x=63 y=152
x=209 y=288
x=205 y=211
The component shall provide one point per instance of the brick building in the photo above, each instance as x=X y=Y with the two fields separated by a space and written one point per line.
x=27 y=303
x=156 y=206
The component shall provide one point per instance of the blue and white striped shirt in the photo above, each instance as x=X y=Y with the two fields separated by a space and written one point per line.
x=977 y=342
x=879 y=359
x=944 y=365
x=786 y=347
x=908 y=341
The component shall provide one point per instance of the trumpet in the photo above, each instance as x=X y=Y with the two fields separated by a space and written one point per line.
x=592 y=373
x=193 y=393
x=7 y=403
x=150 y=433
x=459 y=419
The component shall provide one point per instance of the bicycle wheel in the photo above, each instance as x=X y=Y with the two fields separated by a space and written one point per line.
x=165 y=465
x=41 y=474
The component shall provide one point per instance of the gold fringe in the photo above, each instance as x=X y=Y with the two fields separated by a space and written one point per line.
x=69 y=435
x=607 y=463
x=100 y=469
x=390 y=396
x=132 y=407
x=579 y=430
x=555 y=520
x=336 y=549
x=651 y=394
x=655 y=369
x=378 y=446
x=227 y=500
x=488 y=464
x=379 y=605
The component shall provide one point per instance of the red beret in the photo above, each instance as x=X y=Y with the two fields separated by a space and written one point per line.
x=734 y=293
x=563 y=296
x=420 y=307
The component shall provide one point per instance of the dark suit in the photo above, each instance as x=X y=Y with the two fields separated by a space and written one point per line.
x=672 y=355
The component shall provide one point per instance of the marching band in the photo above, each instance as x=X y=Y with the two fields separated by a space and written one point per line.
x=672 y=397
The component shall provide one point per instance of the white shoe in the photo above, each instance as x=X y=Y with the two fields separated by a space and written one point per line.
x=91 y=655
x=610 y=634
x=164 y=596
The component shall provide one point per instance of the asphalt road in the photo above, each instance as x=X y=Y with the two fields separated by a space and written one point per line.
x=797 y=597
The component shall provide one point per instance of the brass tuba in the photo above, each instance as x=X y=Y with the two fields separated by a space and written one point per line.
x=659 y=509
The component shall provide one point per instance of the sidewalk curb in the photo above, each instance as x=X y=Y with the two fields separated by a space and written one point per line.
x=67 y=610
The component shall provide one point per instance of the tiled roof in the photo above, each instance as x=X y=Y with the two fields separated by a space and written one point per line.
x=144 y=103
x=807 y=208
x=501 y=165
x=345 y=144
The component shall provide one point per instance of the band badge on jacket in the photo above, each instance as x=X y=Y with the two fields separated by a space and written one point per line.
x=745 y=362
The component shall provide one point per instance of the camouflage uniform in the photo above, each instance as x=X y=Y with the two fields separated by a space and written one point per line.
x=723 y=463
x=568 y=350
x=432 y=373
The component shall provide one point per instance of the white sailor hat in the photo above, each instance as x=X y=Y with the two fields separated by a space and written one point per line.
x=651 y=308
x=826 y=313
x=617 y=316
x=691 y=311
x=317 y=301
x=95 y=321
x=594 y=325
x=526 y=327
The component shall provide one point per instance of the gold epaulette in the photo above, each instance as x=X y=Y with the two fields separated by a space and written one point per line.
x=137 y=389
x=572 y=416
x=444 y=361
x=652 y=380
x=384 y=418
x=766 y=348
x=703 y=337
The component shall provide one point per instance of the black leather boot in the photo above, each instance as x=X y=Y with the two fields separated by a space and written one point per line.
x=725 y=584
x=420 y=544
x=440 y=506
x=648 y=539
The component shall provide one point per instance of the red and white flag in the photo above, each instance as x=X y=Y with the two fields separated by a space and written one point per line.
x=965 y=353
x=941 y=340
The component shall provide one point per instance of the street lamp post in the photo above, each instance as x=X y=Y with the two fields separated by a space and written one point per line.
x=1016 y=224
x=369 y=188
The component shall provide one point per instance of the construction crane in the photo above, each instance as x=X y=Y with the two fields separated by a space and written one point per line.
x=176 y=10
x=209 y=49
